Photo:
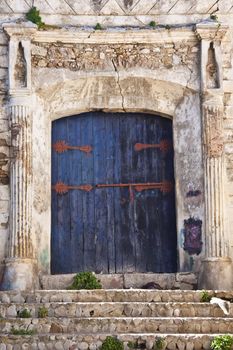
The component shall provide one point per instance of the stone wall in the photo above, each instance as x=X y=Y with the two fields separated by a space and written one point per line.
x=105 y=57
x=4 y=150
x=159 y=71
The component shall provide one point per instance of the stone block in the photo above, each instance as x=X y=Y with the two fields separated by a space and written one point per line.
x=3 y=38
x=114 y=281
x=138 y=280
x=38 y=50
x=4 y=193
x=3 y=73
x=3 y=61
x=111 y=281
x=190 y=346
x=56 y=282
x=186 y=277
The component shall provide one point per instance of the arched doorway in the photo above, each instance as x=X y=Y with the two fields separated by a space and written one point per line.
x=113 y=202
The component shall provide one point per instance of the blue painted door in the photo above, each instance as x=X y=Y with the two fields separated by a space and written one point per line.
x=113 y=205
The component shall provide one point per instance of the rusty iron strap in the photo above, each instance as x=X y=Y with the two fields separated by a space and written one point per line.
x=164 y=146
x=62 y=188
x=62 y=146
x=164 y=186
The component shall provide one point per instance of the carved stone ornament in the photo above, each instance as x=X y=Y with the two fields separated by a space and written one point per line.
x=20 y=35
x=213 y=131
x=215 y=146
x=211 y=31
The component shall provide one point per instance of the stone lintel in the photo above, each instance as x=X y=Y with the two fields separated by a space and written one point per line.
x=23 y=30
x=211 y=31
x=126 y=36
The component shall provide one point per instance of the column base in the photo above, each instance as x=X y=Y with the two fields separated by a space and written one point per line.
x=20 y=274
x=216 y=274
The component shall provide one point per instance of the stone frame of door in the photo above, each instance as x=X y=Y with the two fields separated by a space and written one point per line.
x=49 y=94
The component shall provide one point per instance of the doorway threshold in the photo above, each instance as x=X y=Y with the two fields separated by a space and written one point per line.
x=179 y=280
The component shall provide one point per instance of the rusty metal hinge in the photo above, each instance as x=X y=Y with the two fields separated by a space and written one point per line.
x=164 y=146
x=62 y=188
x=62 y=146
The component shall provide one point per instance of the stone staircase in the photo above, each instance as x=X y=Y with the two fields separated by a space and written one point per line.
x=83 y=319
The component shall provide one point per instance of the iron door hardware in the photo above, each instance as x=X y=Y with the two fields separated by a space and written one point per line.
x=61 y=147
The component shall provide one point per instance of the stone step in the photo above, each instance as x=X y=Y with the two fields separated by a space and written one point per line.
x=180 y=280
x=117 y=325
x=117 y=309
x=94 y=341
x=111 y=295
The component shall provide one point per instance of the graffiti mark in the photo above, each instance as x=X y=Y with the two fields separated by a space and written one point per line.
x=192 y=236
x=193 y=193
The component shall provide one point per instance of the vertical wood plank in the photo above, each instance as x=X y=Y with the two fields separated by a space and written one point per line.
x=76 y=202
x=109 y=163
x=141 y=242
x=127 y=245
x=88 y=197
x=60 y=261
x=100 y=140
x=118 y=198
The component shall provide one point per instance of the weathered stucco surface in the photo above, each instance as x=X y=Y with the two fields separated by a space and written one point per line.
x=154 y=70
x=4 y=151
x=119 y=12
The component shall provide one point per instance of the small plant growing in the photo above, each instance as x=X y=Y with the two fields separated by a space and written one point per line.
x=222 y=342
x=132 y=345
x=98 y=26
x=205 y=297
x=25 y=313
x=22 y=331
x=112 y=343
x=33 y=15
x=138 y=344
x=214 y=17
x=43 y=312
x=159 y=344
x=153 y=24
x=85 y=280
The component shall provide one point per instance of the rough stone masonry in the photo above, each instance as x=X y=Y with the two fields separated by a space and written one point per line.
x=180 y=67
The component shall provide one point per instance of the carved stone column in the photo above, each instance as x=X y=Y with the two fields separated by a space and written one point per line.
x=20 y=270
x=216 y=272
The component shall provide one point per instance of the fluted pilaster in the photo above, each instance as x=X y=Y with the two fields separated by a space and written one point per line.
x=20 y=242
x=20 y=271
x=216 y=271
x=20 y=264
x=216 y=245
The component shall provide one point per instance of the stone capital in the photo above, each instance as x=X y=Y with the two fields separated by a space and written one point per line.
x=211 y=31
x=213 y=99
x=19 y=31
x=20 y=35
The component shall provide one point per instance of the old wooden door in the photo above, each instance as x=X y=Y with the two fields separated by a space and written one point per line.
x=113 y=206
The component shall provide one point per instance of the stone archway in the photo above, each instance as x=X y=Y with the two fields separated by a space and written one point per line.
x=137 y=94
